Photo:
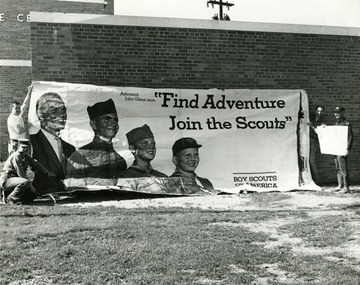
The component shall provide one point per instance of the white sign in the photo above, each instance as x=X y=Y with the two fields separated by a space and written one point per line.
x=333 y=139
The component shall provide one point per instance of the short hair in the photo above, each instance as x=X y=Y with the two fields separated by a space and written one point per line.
x=45 y=97
x=14 y=103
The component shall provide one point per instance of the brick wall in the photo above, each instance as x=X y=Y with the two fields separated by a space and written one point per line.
x=15 y=45
x=326 y=66
x=15 y=29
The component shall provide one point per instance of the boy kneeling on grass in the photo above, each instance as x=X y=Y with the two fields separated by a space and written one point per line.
x=14 y=184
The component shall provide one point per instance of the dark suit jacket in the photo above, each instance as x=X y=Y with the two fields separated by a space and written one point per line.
x=45 y=154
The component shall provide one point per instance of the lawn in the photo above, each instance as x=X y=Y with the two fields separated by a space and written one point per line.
x=264 y=240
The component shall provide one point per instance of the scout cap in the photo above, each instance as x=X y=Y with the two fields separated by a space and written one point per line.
x=339 y=109
x=101 y=108
x=184 y=143
x=23 y=142
x=139 y=133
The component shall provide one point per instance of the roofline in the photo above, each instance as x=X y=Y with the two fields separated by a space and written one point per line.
x=119 y=20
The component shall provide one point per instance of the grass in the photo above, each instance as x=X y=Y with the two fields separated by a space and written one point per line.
x=320 y=232
x=43 y=244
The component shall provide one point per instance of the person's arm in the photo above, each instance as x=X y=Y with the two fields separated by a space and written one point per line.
x=37 y=166
x=26 y=100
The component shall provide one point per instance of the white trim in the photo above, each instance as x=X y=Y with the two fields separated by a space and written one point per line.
x=85 y=1
x=15 y=62
x=117 y=20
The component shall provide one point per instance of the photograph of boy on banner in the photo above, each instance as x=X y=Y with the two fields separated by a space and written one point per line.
x=142 y=145
x=97 y=161
x=186 y=159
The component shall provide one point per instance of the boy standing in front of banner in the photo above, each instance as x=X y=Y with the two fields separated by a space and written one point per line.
x=341 y=160
x=17 y=128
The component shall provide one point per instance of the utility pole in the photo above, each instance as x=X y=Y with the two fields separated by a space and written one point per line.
x=221 y=4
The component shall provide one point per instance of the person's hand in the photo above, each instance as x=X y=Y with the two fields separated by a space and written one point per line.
x=30 y=89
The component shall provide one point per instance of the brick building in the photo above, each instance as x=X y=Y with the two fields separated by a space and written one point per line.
x=15 y=48
x=183 y=53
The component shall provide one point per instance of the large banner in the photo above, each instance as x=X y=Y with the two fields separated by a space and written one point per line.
x=89 y=136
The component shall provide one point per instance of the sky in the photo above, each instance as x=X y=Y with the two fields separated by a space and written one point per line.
x=344 y=13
